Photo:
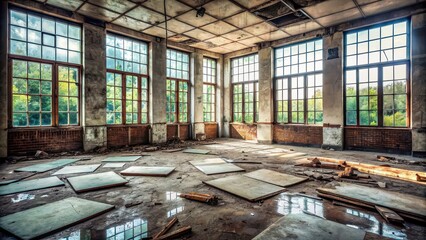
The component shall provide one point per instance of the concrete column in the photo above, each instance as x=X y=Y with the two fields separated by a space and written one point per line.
x=4 y=93
x=94 y=88
x=227 y=105
x=157 y=94
x=219 y=96
x=199 y=132
x=333 y=93
x=418 y=85
x=266 y=102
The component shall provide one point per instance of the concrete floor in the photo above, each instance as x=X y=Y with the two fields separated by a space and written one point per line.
x=233 y=218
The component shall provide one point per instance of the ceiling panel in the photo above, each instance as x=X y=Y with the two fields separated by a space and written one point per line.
x=219 y=28
x=274 y=35
x=237 y=35
x=220 y=50
x=159 y=32
x=192 y=19
x=243 y=19
x=260 y=29
x=234 y=46
x=218 y=41
x=71 y=5
x=252 y=3
x=202 y=45
x=93 y=11
x=119 y=6
x=329 y=7
x=131 y=23
x=301 y=28
x=176 y=26
x=173 y=7
x=194 y=3
x=199 y=34
x=221 y=8
x=386 y=5
x=251 y=41
x=146 y=15
x=340 y=17
x=178 y=38
x=363 y=2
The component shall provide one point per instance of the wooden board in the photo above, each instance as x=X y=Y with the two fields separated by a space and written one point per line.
x=219 y=168
x=96 y=181
x=304 y=226
x=147 y=171
x=121 y=159
x=77 y=169
x=398 y=202
x=30 y=185
x=40 y=221
x=207 y=161
x=43 y=167
x=389 y=215
x=114 y=165
x=196 y=151
x=245 y=187
x=276 y=178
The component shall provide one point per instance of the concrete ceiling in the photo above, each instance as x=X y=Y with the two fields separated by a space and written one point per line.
x=228 y=25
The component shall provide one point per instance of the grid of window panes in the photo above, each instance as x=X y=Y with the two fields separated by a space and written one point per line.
x=299 y=58
x=171 y=101
x=281 y=100
x=127 y=55
x=183 y=101
x=68 y=82
x=245 y=77
x=44 y=37
x=377 y=44
x=132 y=230
x=209 y=89
x=114 y=89
x=132 y=99
x=314 y=98
x=177 y=64
x=144 y=100
x=31 y=93
x=297 y=99
x=395 y=95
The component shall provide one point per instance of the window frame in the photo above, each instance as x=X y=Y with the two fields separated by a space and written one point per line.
x=380 y=65
x=214 y=85
x=305 y=87
x=243 y=86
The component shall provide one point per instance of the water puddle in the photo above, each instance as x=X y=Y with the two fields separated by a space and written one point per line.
x=175 y=211
x=22 y=197
x=134 y=229
x=172 y=196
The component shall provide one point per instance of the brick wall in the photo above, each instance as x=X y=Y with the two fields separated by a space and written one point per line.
x=172 y=131
x=298 y=134
x=184 y=131
x=211 y=130
x=244 y=131
x=50 y=140
x=378 y=139
x=118 y=136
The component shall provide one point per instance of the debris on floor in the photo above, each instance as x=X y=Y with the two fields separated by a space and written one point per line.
x=122 y=159
x=173 y=150
x=96 y=181
x=163 y=235
x=44 y=167
x=29 y=185
x=147 y=171
x=212 y=166
x=201 y=197
x=196 y=151
x=276 y=178
x=389 y=215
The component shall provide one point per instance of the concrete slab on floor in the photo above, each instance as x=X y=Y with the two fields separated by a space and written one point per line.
x=196 y=151
x=276 y=178
x=114 y=165
x=121 y=159
x=219 y=168
x=304 y=226
x=43 y=167
x=207 y=161
x=39 y=221
x=77 y=169
x=147 y=171
x=30 y=185
x=96 y=181
x=245 y=187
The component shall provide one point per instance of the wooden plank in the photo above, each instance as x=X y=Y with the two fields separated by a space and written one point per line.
x=40 y=221
x=398 y=202
x=245 y=187
x=276 y=178
x=196 y=151
x=30 y=185
x=43 y=167
x=166 y=228
x=175 y=234
x=96 y=181
x=304 y=226
x=389 y=215
x=77 y=169
x=391 y=172
x=219 y=168
x=147 y=171
x=122 y=159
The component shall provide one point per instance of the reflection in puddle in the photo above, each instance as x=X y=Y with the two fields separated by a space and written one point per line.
x=22 y=197
x=136 y=229
x=297 y=204
x=175 y=211
x=170 y=196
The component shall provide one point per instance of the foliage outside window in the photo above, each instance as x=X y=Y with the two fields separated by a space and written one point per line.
x=298 y=83
x=127 y=80
x=376 y=75
x=177 y=88
x=209 y=89
x=245 y=78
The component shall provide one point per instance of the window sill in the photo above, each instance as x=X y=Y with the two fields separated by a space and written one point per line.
x=19 y=129
x=128 y=125
x=299 y=124
x=376 y=127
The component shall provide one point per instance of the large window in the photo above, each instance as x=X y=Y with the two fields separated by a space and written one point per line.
x=376 y=75
x=45 y=57
x=209 y=89
x=177 y=86
x=127 y=80
x=298 y=83
x=245 y=85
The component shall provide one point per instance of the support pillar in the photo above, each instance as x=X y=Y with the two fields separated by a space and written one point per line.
x=199 y=131
x=227 y=104
x=4 y=93
x=266 y=102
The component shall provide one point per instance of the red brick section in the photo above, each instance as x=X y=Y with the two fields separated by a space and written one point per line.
x=211 y=130
x=298 y=134
x=50 y=140
x=244 y=131
x=118 y=136
x=172 y=131
x=378 y=139
x=184 y=132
